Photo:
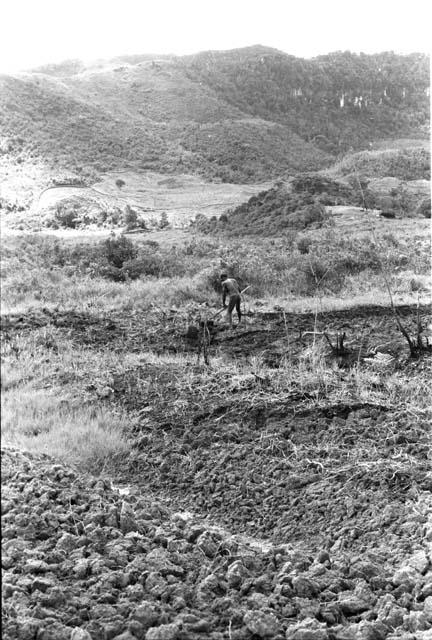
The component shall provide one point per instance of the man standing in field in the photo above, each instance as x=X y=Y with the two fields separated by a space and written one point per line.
x=230 y=287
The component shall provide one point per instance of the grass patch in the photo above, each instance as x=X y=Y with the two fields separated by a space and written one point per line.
x=45 y=405
x=39 y=271
x=92 y=438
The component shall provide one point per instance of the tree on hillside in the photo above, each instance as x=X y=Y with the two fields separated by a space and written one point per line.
x=130 y=217
x=163 y=222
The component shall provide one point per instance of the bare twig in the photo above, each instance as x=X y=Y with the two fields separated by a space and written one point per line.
x=415 y=346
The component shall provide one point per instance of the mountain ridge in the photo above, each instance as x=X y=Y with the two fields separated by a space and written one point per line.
x=245 y=115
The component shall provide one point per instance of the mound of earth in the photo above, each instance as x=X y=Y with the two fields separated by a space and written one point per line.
x=280 y=470
x=84 y=561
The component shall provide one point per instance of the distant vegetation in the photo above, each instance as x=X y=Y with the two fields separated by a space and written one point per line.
x=241 y=116
x=338 y=101
x=300 y=203
x=251 y=151
x=405 y=164
x=424 y=208
x=79 y=213
x=294 y=206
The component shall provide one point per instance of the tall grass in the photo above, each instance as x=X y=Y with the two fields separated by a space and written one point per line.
x=40 y=271
x=45 y=406
x=91 y=437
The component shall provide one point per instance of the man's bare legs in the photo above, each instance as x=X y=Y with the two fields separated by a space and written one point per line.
x=234 y=302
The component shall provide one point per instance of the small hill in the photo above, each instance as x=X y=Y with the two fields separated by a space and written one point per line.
x=404 y=164
x=292 y=205
x=301 y=202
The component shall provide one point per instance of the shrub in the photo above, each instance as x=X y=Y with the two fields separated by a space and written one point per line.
x=327 y=200
x=120 y=259
x=114 y=216
x=416 y=284
x=306 y=216
x=130 y=217
x=163 y=222
x=153 y=244
x=110 y=272
x=66 y=215
x=150 y=264
x=120 y=183
x=201 y=223
x=424 y=208
x=117 y=251
x=303 y=244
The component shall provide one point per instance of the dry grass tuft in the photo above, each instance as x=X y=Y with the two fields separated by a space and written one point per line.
x=91 y=437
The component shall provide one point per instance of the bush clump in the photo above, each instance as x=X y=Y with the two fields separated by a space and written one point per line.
x=67 y=214
x=424 y=208
x=80 y=212
x=120 y=259
x=118 y=251
x=270 y=213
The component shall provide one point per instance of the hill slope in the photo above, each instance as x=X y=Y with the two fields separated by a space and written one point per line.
x=246 y=115
x=338 y=101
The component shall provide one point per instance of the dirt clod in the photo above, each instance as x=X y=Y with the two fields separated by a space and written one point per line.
x=80 y=574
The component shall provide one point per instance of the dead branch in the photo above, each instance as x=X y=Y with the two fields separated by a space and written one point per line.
x=417 y=345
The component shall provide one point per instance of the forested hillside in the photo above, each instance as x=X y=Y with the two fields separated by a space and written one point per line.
x=338 y=101
x=240 y=116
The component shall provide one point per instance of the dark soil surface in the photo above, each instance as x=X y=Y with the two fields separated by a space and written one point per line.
x=334 y=476
x=325 y=501
x=278 y=335
x=80 y=561
x=273 y=335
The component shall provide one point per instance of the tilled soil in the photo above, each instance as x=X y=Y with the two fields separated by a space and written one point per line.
x=331 y=504
x=272 y=335
x=332 y=476
x=278 y=335
x=81 y=561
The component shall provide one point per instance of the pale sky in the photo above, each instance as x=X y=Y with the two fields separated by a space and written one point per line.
x=36 y=32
